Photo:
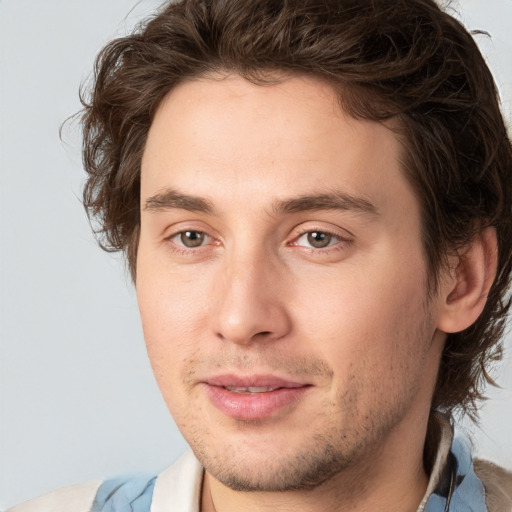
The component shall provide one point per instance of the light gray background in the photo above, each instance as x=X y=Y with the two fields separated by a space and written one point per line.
x=77 y=397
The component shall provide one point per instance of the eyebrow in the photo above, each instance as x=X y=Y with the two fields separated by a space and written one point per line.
x=172 y=199
x=329 y=201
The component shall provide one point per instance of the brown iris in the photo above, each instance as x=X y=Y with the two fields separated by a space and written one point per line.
x=319 y=239
x=192 y=238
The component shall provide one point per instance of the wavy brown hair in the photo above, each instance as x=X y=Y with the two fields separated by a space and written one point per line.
x=406 y=60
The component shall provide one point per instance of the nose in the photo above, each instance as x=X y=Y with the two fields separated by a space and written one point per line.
x=250 y=303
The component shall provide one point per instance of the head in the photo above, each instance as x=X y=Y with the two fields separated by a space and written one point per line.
x=404 y=67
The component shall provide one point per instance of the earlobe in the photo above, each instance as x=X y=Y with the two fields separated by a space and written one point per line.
x=464 y=291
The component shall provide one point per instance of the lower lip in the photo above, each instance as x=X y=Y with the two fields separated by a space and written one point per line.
x=253 y=406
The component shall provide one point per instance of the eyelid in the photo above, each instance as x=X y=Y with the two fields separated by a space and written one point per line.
x=305 y=228
x=174 y=238
x=179 y=226
x=342 y=237
x=174 y=231
x=334 y=239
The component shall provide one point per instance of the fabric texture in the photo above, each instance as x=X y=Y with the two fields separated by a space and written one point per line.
x=459 y=489
x=73 y=498
x=498 y=486
x=131 y=496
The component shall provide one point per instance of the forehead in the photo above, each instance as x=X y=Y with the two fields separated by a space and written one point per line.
x=234 y=139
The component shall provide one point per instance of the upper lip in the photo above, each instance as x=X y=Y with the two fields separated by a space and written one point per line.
x=261 y=381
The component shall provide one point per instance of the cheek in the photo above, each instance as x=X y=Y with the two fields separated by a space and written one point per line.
x=368 y=322
x=166 y=324
x=170 y=300
x=171 y=309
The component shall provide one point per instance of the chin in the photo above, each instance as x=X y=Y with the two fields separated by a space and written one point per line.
x=264 y=467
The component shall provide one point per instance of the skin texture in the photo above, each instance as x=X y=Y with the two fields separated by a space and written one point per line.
x=350 y=322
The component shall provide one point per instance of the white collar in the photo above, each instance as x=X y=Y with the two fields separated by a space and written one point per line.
x=178 y=488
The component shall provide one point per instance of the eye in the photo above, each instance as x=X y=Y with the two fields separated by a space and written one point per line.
x=317 y=239
x=190 y=238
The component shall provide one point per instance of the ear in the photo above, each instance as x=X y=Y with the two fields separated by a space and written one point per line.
x=465 y=286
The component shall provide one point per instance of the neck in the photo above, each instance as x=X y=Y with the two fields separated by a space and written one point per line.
x=389 y=478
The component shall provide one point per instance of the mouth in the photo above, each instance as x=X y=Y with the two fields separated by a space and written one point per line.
x=250 y=390
x=255 y=397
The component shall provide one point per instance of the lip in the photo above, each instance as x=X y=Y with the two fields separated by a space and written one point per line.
x=281 y=396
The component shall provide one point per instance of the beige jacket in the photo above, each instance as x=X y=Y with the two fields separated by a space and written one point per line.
x=498 y=486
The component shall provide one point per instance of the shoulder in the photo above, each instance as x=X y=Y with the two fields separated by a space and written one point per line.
x=179 y=485
x=119 y=495
x=78 y=498
x=498 y=485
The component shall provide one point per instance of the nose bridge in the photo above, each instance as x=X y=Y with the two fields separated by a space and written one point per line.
x=249 y=304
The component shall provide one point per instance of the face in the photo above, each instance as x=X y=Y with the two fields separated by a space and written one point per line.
x=281 y=282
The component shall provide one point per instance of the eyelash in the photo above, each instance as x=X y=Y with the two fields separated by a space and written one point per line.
x=339 y=244
x=183 y=249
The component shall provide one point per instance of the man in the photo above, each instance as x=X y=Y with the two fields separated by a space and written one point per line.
x=315 y=200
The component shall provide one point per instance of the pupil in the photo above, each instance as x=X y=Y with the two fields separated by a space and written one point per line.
x=192 y=238
x=318 y=239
